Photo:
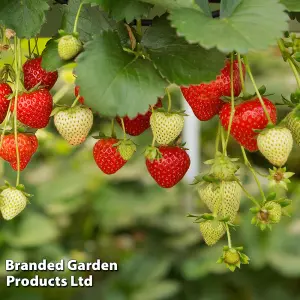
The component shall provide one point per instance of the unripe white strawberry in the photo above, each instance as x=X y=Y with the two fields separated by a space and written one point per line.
x=212 y=231
x=229 y=205
x=275 y=144
x=74 y=124
x=12 y=202
x=166 y=127
x=68 y=47
x=293 y=124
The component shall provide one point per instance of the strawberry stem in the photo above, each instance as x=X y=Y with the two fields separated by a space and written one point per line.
x=228 y=236
x=124 y=131
x=29 y=48
x=257 y=91
x=153 y=141
x=249 y=196
x=169 y=100
x=289 y=59
x=60 y=93
x=218 y=138
x=223 y=142
x=232 y=112
x=75 y=101
x=241 y=74
x=77 y=18
x=113 y=134
x=17 y=70
x=37 y=46
x=248 y=164
x=139 y=28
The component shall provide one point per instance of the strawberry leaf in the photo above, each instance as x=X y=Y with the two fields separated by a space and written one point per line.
x=291 y=5
x=114 y=82
x=120 y=9
x=92 y=20
x=250 y=25
x=169 y=4
x=176 y=59
x=24 y=17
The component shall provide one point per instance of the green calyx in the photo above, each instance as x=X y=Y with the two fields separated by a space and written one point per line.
x=233 y=258
x=152 y=153
x=269 y=214
x=294 y=100
x=279 y=177
x=172 y=112
x=126 y=148
x=223 y=167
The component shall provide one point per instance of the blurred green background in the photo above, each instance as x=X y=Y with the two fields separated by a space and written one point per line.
x=79 y=213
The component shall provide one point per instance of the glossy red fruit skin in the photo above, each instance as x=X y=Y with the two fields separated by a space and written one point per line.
x=170 y=169
x=205 y=98
x=5 y=90
x=140 y=123
x=34 y=74
x=77 y=90
x=34 y=109
x=27 y=144
x=107 y=157
x=249 y=115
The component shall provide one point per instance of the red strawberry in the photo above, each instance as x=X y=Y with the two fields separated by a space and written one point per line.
x=34 y=74
x=249 y=115
x=107 y=157
x=34 y=109
x=169 y=167
x=27 y=144
x=81 y=99
x=204 y=98
x=140 y=123
x=5 y=90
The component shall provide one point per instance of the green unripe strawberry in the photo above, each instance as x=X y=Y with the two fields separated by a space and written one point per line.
x=74 y=124
x=12 y=202
x=231 y=257
x=126 y=148
x=166 y=127
x=293 y=124
x=211 y=196
x=212 y=231
x=275 y=144
x=68 y=47
x=273 y=211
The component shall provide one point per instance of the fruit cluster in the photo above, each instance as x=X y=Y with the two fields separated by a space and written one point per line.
x=27 y=105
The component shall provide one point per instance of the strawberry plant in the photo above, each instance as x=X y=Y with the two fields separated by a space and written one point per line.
x=123 y=72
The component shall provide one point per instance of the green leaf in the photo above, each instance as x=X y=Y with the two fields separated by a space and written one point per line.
x=120 y=9
x=204 y=5
x=24 y=17
x=114 y=82
x=91 y=20
x=176 y=59
x=170 y=4
x=51 y=60
x=228 y=7
x=291 y=5
x=253 y=25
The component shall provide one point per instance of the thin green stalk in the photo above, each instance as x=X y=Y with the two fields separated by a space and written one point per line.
x=37 y=46
x=232 y=111
x=77 y=18
x=153 y=141
x=247 y=163
x=223 y=142
x=249 y=196
x=17 y=70
x=256 y=90
x=218 y=138
x=228 y=236
x=295 y=72
x=139 y=27
x=124 y=131
x=169 y=100
x=75 y=101
x=60 y=93
x=241 y=73
x=113 y=134
x=29 y=48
